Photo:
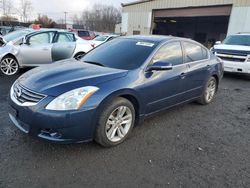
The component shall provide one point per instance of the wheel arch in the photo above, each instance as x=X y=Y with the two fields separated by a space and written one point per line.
x=128 y=94
x=10 y=55
x=217 y=80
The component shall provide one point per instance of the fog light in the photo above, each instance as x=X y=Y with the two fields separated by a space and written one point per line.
x=51 y=133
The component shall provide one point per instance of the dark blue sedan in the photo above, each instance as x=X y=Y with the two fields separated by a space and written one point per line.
x=112 y=88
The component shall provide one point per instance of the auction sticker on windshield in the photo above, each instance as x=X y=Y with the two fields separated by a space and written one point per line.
x=148 y=44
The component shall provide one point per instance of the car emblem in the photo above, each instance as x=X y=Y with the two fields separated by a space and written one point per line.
x=18 y=92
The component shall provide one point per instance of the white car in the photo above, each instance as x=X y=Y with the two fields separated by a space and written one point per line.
x=31 y=48
x=235 y=53
x=102 y=39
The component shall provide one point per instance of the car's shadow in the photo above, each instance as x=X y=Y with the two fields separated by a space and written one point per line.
x=237 y=76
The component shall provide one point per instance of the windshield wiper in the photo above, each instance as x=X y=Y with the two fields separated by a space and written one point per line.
x=94 y=63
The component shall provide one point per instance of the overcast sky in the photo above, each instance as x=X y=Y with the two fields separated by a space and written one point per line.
x=55 y=8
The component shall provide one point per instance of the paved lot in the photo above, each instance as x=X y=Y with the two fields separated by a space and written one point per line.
x=189 y=146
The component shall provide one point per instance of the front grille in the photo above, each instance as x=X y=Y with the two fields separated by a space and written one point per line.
x=232 y=59
x=24 y=95
x=232 y=52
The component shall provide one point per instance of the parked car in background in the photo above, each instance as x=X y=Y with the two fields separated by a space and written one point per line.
x=30 y=48
x=113 y=86
x=7 y=29
x=235 y=53
x=101 y=39
x=85 y=34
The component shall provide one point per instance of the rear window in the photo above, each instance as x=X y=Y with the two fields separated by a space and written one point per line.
x=83 y=34
x=124 y=54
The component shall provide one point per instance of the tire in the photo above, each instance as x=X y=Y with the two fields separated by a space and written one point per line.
x=9 y=66
x=109 y=124
x=209 y=91
x=79 y=55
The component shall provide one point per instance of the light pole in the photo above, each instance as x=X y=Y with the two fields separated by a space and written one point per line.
x=65 y=17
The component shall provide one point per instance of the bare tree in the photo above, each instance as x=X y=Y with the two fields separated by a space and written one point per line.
x=6 y=7
x=25 y=9
x=101 y=18
x=45 y=21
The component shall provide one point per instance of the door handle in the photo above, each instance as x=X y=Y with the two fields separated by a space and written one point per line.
x=45 y=49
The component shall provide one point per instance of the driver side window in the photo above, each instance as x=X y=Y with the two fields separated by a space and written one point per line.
x=171 y=53
x=41 y=38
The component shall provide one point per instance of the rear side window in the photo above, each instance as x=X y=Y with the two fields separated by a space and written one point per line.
x=171 y=53
x=65 y=37
x=83 y=34
x=194 y=52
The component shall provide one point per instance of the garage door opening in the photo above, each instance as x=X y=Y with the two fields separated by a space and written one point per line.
x=205 y=25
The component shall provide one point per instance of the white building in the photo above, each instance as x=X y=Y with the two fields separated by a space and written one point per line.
x=202 y=20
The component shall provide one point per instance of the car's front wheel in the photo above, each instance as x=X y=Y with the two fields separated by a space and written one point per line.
x=209 y=91
x=115 y=122
x=9 y=66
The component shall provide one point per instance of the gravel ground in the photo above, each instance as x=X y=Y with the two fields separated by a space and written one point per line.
x=189 y=146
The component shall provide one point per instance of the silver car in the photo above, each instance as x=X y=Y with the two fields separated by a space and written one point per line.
x=31 y=48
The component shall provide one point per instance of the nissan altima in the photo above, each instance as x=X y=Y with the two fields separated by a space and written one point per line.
x=113 y=88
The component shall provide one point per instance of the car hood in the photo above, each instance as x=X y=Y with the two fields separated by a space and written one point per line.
x=66 y=75
x=231 y=47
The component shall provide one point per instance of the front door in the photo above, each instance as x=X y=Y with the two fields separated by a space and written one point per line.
x=161 y=89
x=37 y=49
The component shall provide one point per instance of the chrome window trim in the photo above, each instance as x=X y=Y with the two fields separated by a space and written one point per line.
x=149 y=59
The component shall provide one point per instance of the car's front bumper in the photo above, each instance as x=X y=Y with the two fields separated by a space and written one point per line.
x=56 y=126
x=237 y=67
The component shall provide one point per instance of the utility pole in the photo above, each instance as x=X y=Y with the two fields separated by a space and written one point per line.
x=65 y=17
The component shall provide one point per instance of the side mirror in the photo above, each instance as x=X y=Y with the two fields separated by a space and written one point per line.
x=25 y=41
x=218 y=42
x=160 y=66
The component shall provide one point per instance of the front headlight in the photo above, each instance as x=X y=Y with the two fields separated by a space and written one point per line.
x=72 y=100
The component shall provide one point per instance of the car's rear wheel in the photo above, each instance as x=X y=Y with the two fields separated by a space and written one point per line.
x=209 y=91
x=9 y=66
x=115 y=122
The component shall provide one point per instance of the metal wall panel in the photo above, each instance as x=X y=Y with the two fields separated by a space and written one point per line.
x=138 y=18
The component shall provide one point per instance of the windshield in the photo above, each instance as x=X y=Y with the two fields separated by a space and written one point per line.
x=125 y=54
x=101 y=38
x=15 y=35
x=243 y=40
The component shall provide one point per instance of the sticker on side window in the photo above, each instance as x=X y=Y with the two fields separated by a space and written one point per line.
x=148 y=44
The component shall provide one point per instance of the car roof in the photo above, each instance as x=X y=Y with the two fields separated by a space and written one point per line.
x=153 y=38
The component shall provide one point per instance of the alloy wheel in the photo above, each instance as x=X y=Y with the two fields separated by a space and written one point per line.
x=9 y=66
x=118 y=124
x=211 y=90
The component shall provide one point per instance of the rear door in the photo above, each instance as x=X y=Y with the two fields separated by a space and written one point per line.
x=197 y=60
x=64 y=46
x=37 y=50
